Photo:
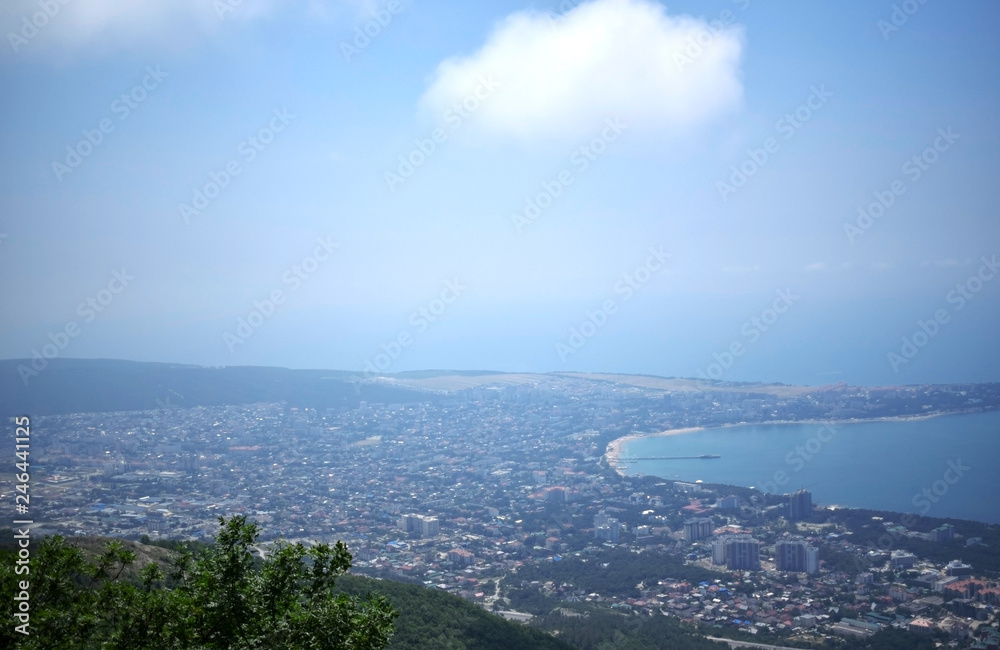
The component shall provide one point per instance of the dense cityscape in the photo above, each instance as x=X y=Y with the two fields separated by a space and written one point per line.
x=521 y=325
x=498 y=491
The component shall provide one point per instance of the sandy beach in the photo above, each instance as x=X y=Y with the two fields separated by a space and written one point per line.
x=615 y=446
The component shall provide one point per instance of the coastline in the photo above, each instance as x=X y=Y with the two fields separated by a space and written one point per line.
x=614 y=449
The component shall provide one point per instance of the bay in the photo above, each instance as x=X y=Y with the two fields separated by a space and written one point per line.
x=942 y=466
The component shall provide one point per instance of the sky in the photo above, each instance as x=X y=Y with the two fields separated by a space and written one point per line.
x=738 y=190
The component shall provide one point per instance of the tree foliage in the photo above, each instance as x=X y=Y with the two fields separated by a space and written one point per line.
x=223 y=597
x=894 y=639
x=602 y=630
x=613 y=572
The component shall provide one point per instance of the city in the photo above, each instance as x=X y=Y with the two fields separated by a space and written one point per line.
x=485 y=490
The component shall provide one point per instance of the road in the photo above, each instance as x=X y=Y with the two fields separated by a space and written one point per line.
x=747 y=644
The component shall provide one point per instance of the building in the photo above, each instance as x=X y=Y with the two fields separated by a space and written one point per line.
x=854 y=627
x=606 y=527
x=799 y=505
x=719 y=550
x=796 y=555
x=420 y=524
x=742 y=553
x=902 y=560
x=557 y=494
x=942 y=583
x=805 y=620
x=429 y=527
x=697 y=528
x=972 y=588
x=957 y=569
x=812 y=560
x=687 y=488
x=943 y=533
x=789 y=555
x=899 y=592
x=731 y=502
x=408 y=523
x=610 y=531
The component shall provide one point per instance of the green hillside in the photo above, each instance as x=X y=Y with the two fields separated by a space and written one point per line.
x=102 y=590
x=436 y=620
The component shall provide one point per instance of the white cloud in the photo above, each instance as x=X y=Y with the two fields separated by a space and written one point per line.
x=103 y=26
x=562 y=77
x=106 y=25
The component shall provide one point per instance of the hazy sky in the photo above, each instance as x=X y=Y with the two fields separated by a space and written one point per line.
x=615 y=185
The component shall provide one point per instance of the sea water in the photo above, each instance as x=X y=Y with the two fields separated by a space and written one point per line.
x=943 y=466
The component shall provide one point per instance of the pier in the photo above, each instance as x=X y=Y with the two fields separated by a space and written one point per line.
x=702 y=457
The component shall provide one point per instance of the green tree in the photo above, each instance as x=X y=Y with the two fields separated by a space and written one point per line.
x=223 y=598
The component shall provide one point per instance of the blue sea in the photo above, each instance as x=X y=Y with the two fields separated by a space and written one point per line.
x=940 y=467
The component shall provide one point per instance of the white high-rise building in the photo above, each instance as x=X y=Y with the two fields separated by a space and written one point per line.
x=719 y=550
x=812 y=560
x=425 y=526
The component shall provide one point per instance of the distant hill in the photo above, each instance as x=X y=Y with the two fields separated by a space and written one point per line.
x=97 y=385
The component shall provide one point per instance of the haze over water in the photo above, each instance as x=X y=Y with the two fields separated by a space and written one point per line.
x=878 y=465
